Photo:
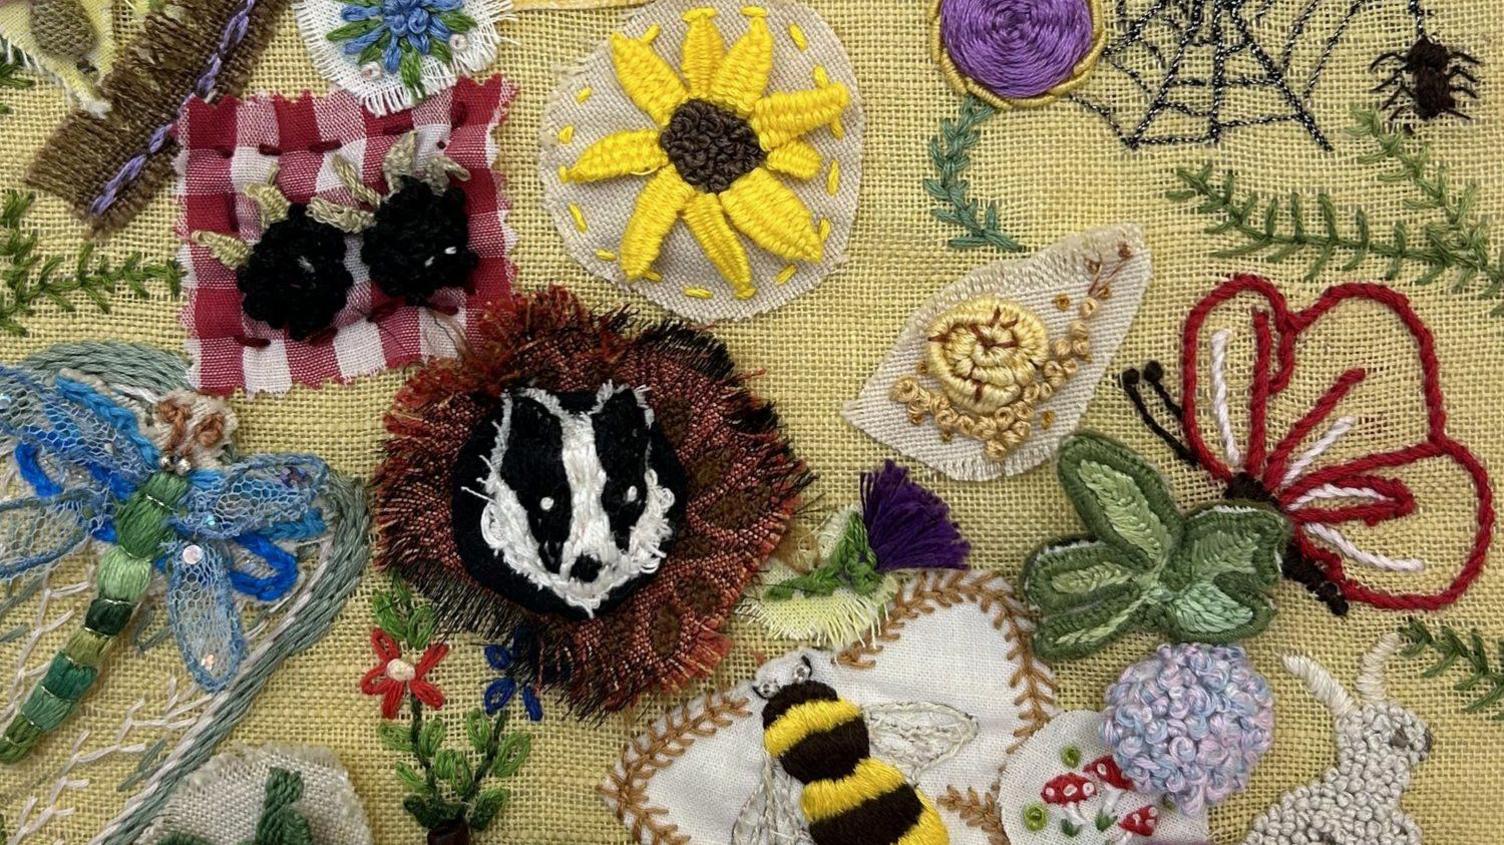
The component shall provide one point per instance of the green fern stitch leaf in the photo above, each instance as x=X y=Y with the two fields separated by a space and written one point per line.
x=1483 y=681
x=1121 y=499
x=1204 y=577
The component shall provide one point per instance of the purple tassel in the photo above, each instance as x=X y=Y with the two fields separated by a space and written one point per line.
x=908 y=527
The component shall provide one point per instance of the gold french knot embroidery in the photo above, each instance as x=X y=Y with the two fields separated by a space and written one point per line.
x=992 y=363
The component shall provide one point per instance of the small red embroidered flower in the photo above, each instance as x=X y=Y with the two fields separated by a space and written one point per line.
x=394 y=677
x=1301 y=444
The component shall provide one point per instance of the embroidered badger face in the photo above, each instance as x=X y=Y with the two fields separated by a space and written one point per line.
x=565 y=502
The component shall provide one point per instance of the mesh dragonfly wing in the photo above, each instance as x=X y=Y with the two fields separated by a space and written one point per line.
x=75 y=424
x=36 y=531
x=201 y=609
x=265 y=494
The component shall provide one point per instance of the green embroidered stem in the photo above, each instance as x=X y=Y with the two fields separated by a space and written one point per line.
x=1281 y=228
x=852 y=564
x=950 y=153
x=1462 y=237
x=28 y=278
x=447 y=787
x=124 y=573
x=280 y=822
x=10 y=78
x=1484 y=680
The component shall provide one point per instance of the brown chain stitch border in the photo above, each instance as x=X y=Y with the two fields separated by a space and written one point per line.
x=626 y=786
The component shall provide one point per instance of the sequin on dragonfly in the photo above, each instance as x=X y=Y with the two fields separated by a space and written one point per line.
x=154 y=485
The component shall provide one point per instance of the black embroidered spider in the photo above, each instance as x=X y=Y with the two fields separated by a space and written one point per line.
x=1431 y=76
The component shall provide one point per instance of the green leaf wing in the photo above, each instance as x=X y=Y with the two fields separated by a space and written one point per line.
x=1122 y=499
x=1220 y=577
x=1075 y=573
x=1069 y=634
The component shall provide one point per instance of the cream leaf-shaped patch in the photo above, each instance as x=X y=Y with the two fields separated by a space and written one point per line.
x=998 y=367
x=700 y=775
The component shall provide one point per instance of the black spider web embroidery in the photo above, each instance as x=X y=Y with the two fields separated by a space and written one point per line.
x=1202 y=68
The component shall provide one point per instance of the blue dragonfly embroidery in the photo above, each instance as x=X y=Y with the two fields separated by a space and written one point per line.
x=159 y=498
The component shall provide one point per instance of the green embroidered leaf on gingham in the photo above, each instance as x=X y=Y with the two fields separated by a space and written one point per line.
x=1201 y=577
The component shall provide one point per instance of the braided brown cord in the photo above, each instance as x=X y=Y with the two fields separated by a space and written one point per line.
x=625 y=788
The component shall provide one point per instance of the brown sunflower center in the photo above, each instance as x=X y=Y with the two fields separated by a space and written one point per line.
x=711 y=147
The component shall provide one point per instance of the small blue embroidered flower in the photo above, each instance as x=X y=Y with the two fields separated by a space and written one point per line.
x=499 y=693
x=400 y=33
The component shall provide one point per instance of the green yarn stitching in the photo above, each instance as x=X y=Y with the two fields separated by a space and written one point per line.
x=28 y=278
x=851 y=564
x=279 y=824
x=10 y=78
x=950 y=153
x=1201 y=577
x=447 y=787
x=1485 y=680
x=1279 y=228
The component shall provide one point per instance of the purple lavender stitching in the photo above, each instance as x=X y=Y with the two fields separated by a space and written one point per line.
x=1016 y=48
x=234 y=32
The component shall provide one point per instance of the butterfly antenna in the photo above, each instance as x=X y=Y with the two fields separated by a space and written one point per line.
x=1130 y=380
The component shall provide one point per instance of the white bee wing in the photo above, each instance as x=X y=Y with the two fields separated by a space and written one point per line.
x=772 y=815
x=915 y=735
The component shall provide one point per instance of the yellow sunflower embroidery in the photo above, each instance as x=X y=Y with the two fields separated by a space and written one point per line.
x=717 y=148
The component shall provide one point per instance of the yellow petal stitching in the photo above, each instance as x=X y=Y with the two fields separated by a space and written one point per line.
x=796 y=159
x=772 y=216
x=657 y=210
x=707 y=221
x=743 y=75
x=782 y=117
x=633 y=153
x=703 y=49
x=646 y=78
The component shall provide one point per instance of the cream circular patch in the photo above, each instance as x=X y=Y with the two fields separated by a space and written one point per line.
x=708 y=155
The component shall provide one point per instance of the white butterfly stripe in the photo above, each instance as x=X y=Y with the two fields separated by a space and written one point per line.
x=1338 y=541
x=1219 y=399
x=1339 y=429
x=1331 y=491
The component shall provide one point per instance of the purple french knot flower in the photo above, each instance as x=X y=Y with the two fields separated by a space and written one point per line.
x=1016 y=48
x=908 y=527
x=1190 y=723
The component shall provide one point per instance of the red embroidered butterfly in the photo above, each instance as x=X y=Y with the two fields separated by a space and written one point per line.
x=1298 y=470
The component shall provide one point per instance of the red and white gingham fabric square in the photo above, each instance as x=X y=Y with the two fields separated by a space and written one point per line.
x=228 y=145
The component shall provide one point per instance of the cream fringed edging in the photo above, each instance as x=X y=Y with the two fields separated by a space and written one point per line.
x=674 y=785
x=996 y=369
x=382 y=93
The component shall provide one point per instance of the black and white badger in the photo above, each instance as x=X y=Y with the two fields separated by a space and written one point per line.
x=565 y=502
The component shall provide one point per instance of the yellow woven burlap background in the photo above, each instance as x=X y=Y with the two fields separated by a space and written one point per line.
x=1056 y=171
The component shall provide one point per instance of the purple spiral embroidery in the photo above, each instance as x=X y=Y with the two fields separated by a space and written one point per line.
x=1016 y=48
x=234 y=32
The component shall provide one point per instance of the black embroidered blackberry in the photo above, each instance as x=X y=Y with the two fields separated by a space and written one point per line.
x=710 y=146
x=295 y=277
x=419 y=242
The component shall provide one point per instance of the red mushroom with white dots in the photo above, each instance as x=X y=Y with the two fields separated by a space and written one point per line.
x=1068 y=792
x=1140 y=822
x=1104 y=770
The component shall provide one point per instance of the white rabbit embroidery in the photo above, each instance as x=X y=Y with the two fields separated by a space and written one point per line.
x=1357 y=802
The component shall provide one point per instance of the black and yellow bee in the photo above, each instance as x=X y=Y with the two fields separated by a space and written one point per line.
x=848 y=796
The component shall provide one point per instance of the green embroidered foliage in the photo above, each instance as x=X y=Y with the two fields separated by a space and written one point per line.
x=280 y=822
x=851 y=563
x=446 y=784
x=1202 y=577
x=1280 y=228
x=950 y=153
x=10 y=78
x=1484 y=682
x=28 y=278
